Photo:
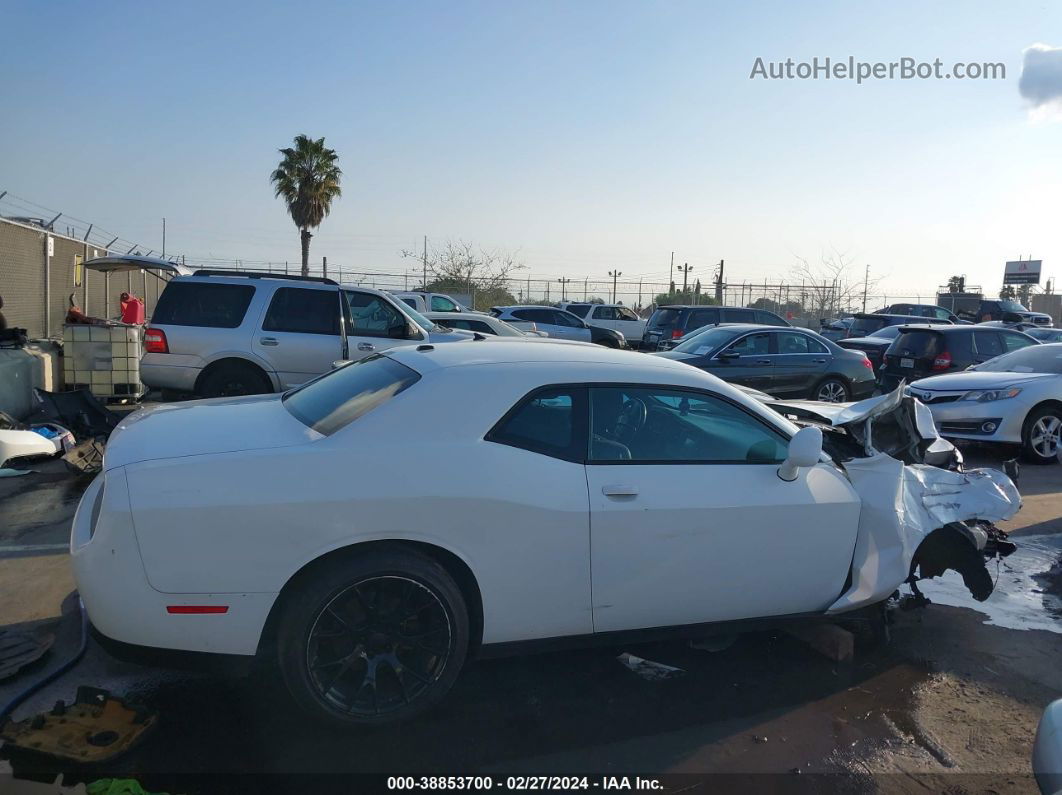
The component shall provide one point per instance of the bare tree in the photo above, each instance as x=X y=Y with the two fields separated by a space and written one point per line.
x=461 y=267
x=832 y=285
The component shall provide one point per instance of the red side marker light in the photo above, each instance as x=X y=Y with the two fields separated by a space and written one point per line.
x=196 y=609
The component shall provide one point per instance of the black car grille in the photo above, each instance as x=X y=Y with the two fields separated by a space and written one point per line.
x=939 y=399
x=969 y=426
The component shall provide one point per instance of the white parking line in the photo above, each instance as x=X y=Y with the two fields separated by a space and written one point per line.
x=33 y=548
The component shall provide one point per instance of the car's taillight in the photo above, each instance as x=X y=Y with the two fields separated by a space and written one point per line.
x=942 y=361
x=867 y=364
x=155 y=341
x=676 y=334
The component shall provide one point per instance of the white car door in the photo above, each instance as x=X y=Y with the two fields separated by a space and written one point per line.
x=300 y=334
x=690 y=522
x=374 y=325
x=605 y=317
x=566 y=325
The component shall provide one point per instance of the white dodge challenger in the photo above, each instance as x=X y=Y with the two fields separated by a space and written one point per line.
x=376 y=526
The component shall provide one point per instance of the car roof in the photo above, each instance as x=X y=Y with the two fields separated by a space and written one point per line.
x=528 y=306
x=505 y=350
x=255 y=278
x=943 y=327
x=461 y=315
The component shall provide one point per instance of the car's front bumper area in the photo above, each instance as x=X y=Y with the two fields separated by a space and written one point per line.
x=994 y=421
x=121 y=603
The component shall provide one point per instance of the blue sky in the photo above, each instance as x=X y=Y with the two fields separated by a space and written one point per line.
x=588 y=135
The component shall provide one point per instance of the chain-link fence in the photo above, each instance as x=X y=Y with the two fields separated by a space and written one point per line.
x=22 y=280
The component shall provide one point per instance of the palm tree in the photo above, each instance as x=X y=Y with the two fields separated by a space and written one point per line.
x=307 y=179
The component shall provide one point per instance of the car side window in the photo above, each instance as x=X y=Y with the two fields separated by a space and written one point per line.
x=738 y=316
x=623 y=313
x=643 y=425
x=372 y=316
x=752 y=345
x=604 y=313
x=199 y=304
x=525 y=315
x=564 y=319
x=409 y=302
x=440 y=303
x=703 y=317
x=986 y=343
x=1013 y=342
x=549 y=421
x=792 y=342
x=301 y=311
x=942 y=314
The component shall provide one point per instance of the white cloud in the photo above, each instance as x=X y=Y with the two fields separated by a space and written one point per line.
x=1041 y=80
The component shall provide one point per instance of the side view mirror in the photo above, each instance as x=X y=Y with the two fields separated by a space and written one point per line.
x=729 y=356
x=805 y=448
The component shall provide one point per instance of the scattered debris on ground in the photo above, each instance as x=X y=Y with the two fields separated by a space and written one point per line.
x=649 y=670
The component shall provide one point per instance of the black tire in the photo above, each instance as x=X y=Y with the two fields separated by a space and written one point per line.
x=1040 y=435
x=608 y=342
x=392 y=627
x=233 y=378
x=831 y=386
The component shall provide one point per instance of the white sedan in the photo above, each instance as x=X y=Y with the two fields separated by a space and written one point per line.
x=307 y=524
x=1015 y=398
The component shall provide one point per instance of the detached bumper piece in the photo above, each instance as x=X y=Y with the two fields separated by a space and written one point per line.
x=94 y=728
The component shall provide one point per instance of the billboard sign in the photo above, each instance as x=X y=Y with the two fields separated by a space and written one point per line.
x=1022 y=272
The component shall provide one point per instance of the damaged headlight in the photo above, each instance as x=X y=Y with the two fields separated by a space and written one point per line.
x=988 y=395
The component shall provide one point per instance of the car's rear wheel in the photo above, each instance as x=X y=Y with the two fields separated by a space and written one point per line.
x=1041 y=437
x=831 y=390
x=230 y=379
x=371 y=639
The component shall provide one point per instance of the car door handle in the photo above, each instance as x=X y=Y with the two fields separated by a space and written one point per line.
x=366 y=346
x=619 y=491
x=764 y=361
x=268 y=341
x=818 y=361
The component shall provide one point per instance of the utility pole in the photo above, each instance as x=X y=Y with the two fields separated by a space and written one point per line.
x=685 y=268
x=615 y=275
x=564 y=286
x=324 y=267
x=719 y=285
x=424 y=277
x=671 y=273
x=163 y=238
x=586 y=282
x=639 y=295
x=866 y=281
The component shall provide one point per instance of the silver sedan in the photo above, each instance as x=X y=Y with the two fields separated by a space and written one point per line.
x=1015 y=398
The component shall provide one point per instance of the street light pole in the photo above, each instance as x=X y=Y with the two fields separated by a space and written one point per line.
x=615 y=275
x=685 y=268
x=564 y=285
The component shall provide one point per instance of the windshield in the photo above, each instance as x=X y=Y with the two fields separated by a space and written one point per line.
x=336 y=399
x=708 y=340
x=1034 y=359
x=1012 y=306
x=889 y=332
x=420 y=320
x=1045 y=334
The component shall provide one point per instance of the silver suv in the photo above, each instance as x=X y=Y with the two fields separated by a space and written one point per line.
x=218 y=333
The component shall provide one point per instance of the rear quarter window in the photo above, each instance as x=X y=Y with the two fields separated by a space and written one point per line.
x=338 y=398
x=203 y=304
x=664 y=317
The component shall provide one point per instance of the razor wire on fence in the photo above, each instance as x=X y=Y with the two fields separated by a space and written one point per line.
x=801 y=303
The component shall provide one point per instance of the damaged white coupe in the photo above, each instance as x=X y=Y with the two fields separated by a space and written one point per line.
x=371 y=530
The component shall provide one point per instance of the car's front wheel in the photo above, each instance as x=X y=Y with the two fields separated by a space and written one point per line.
x=1041 y=437
x=374 y=638
x=831 y=390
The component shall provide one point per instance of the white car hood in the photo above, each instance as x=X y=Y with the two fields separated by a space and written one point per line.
x=974 y=379
x=222 y=425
